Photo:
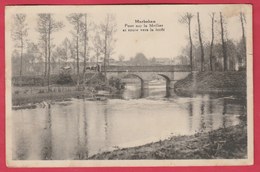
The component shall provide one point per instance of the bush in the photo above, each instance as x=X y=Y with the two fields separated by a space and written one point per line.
x=27 y=80
x=64 y=79
x=116 y=83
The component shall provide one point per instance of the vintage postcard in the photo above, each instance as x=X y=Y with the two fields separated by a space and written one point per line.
x=129 y=85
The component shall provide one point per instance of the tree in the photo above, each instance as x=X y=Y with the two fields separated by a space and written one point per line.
x=15 y=62
x=224 y=48
x=97 y=43
x=107 y=29
x=75 y=20
x=243 y=21
x=140 y=60
x=60 y=54
x=43 y=30
x=46 y=26
x=121 y=58
x=32 y=55
x=201 y=43
x=19 y=34
x=85 y=37
x=65 y=47
x=93 y=59
x=212 y=41
x=186 y=19
x=72 y=53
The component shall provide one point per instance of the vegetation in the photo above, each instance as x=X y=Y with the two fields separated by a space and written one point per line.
x=19 y=34
x=186 y=19
x=116 y=83
x=46 y=26
x=224 y=143
x=64 y=79
x=46 y=59
x=221 y=64
x=221 y=53
x=213 y=82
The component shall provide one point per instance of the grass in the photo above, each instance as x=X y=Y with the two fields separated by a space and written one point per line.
x=224 y=143
x=32 y=95
x=213 y=82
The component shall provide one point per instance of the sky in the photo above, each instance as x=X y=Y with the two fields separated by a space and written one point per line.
x=160 y=44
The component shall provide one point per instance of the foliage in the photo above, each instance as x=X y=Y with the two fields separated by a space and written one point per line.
x=64 y=79
x=235 y=55
x=139 y=60
x=213 y=82
x=116 y=83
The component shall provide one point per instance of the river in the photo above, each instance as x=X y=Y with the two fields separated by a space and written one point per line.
x=78 y=128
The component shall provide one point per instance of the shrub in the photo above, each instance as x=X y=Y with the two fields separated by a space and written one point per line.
x=64 y=79
x=116 y=83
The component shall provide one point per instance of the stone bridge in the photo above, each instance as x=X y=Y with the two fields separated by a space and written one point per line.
x=147 y=73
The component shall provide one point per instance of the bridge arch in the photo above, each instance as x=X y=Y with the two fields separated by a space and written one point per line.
x=144 y=84
x=165 y=77
x=168 y=84
x=135 y=75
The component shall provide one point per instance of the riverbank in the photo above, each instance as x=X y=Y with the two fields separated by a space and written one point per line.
x=229 y=82
x=25 y=99
x=224 y=143
x=35 y=93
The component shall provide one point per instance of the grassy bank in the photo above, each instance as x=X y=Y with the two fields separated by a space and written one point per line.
x=224 y=143
x=32 y=98
x=213 y=82
x=35 y=93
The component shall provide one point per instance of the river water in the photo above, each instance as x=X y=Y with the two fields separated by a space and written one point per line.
x=79 y=128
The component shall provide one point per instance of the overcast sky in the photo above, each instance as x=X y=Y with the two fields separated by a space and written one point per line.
x=168 y=43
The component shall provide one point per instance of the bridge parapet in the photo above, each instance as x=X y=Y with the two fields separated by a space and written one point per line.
x=161 y=68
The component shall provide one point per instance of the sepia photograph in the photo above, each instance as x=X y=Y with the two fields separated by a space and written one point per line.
x=129 y=85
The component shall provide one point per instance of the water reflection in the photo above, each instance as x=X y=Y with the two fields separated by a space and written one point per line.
x=156 y=89
x=46 y=152
x=80 y=128
x=82 y=150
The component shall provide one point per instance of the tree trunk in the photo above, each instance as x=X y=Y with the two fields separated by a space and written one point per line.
x=77 y=49
x=108 y=56
x=243 y=36
x=85 y=50
x=49 y=53
x=201 y=44
x=46 y=58
x=105 y=58
x=191 y=63
x=21 y=62
x=224 y=49
x=97 y=54
x=212 y=43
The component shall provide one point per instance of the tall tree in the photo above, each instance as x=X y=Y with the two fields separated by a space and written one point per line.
x=97 y=43
x=33 y=52
x=224 y=47
x=85 y=41
x=19 y=34
x=46 y=32
x=186 y=19
x=201 y=43
x=76 y=20
x=65 y=47
x=107 y=29
x=43 y=30
x=140 y=60
x=243 y=21
x=212 y=41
